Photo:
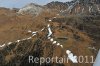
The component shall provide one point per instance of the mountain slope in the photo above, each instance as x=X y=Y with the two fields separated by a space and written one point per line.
x=31 y=8
x=48 y=34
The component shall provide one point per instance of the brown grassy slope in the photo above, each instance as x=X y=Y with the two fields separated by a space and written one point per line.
x=14 y=26
x=40 y=46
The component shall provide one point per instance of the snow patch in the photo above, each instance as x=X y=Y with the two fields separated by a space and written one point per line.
x=50 y=20
x=42 y=29
x=71 y=56
x=34 y=32
x=58 y=44
x=93 y=48
x=2 y=45
x=54 y=17
x=29 y=31
x=18 y=40
x=9 y=43
x=49 y=29
x=29 y=38
x=51 y=39
x=33 y=35
x=68 y=51
x=61 y=46
x=23 y=39
x=54 y=42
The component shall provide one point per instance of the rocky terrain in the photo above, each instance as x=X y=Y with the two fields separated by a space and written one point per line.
x=31 y=8
x=56 y=29
x=77 y=7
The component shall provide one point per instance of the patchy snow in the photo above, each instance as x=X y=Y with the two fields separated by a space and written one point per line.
x=93 y=48
x=18 y=40
x=50 y=20
x=72 y=6
x=29 y=31
x=51 y=39
x=23 y=39
x=33 y=35
x=61 y=46
x=54 y=42
x=58 y=44
x=2 y=45
x=34 y=32
x=71 y=56
x=42 y=29
x=68 y=51
x=29 y=38
x=54 y=17
x=49 y=29
x=9 y=43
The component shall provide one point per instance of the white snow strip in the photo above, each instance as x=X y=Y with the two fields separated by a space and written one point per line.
x=49 y=29
x=71 y=57
x=34 y=32
x=54 y=42
x=92 y=48
x=68 y=51
x=23 y=39
x=50 y=20
x=42 y=29
x=33 y=35
x=61 y=46
x=9 y=43
x=2 y=45
x=54 y=17
x=29 y=38
x=58 y=44
x=18 y=40
x=51 y=39
x=29 y=31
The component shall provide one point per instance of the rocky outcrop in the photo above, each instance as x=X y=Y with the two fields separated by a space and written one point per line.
x=78 y=7
x=31 y=8
x=57 y=5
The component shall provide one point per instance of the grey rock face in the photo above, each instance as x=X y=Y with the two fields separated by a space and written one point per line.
x=31 y=9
